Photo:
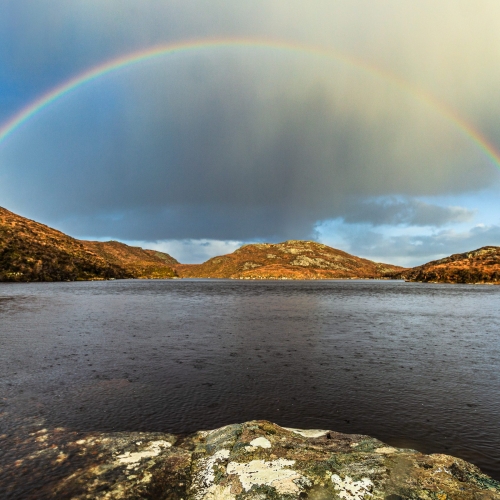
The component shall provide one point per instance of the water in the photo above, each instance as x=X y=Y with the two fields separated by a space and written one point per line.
x=415 y=365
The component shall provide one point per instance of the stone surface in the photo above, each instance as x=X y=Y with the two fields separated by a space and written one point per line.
x=254 y=460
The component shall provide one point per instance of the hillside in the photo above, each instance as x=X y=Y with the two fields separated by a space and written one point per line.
x=288 y=260
x=479 y=266
x=30 y=251
x=139 y=262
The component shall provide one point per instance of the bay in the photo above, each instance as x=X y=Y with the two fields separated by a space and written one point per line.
x=415 y=365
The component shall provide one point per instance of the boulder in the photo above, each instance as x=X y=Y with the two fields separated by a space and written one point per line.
x=255 y=460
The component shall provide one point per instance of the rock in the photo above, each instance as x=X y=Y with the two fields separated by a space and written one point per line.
x=257 y=460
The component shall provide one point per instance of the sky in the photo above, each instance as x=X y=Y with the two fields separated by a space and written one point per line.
x=368 y=126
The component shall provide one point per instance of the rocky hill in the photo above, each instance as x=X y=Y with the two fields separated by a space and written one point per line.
x=30 y=251
x=288 y=260
x=479 y=266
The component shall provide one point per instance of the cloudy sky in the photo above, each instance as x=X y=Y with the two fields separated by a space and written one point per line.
x=372 y=142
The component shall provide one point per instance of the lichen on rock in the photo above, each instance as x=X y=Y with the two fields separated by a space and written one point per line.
x=254 y=460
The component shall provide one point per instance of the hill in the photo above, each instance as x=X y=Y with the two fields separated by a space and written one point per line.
x=293 y=259
x=30 y=251
x=478 y=266
x=139 y=262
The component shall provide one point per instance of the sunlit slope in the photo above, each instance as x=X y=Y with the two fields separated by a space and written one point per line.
x=478 y=266
x=288 y=260
x=30 y=251
x=141 y=263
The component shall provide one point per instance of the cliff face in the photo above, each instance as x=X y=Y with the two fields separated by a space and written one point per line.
x=30 y=251
x=253 y=460
x=288 y=260
x=479 y=266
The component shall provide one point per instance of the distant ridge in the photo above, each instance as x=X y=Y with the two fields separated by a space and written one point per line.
x=293 y=259
x=30 y=251
x=478 y=266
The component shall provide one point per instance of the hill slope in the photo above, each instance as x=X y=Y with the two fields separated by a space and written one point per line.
x=288 y=260
x=139 y=262
x=478 y=266
x=30 y=251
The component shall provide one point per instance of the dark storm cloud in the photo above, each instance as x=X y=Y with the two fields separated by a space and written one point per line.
x=228 y=148
x=409 y=212
x=238 y=143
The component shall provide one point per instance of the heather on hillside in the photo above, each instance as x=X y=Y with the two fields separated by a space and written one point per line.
x=478 y=266
x=293 y=259
x=30 y=251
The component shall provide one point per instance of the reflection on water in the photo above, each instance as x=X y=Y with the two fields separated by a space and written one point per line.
x=415 y=365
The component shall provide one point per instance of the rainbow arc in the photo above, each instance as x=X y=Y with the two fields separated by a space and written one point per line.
x=25 y=114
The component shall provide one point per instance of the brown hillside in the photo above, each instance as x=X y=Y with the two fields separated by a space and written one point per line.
x=141 y=263
x=479 y=266
x=30 y=251
x=288 y=260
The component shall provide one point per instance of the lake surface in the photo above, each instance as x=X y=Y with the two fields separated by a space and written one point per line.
x=415 y=365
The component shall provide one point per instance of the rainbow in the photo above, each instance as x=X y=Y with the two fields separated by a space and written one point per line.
x=24 y=115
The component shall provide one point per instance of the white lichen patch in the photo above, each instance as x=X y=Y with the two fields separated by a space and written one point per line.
x=133 y=458
x=352 y=490
x=217 y=492
x=442 y=469
x=308 y=433
x=146 y=478
x=386 y=450
x=272 y=473
x=205 y=477
x=260 y=442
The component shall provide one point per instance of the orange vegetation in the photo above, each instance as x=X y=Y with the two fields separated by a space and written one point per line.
x=479 y=266
x=30 y=251
x=288 y=260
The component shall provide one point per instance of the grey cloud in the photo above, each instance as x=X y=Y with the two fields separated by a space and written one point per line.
x=190 y=251
x=413 y=250
x=236 y=145
x=449 y=47
x=244 y=143
x=408 y=212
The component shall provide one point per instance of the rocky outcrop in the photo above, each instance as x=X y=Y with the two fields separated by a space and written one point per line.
x=293 y=259
x=30 y=251
x=254 y=460
x=478 y=266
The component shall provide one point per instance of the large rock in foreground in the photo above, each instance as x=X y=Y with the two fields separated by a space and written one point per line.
x=254 y=460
